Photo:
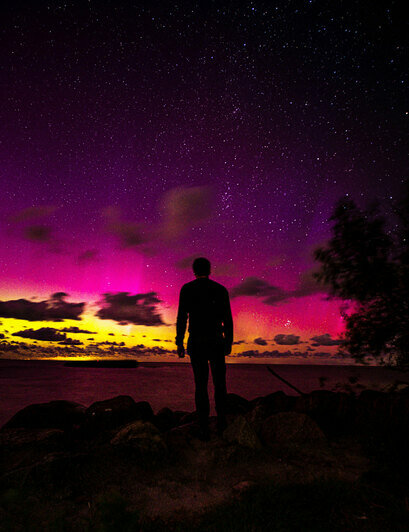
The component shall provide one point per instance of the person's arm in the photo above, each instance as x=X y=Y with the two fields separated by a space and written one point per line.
x=181 y=318
x=227 y=322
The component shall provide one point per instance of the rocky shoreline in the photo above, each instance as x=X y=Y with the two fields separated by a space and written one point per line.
x=65 y=458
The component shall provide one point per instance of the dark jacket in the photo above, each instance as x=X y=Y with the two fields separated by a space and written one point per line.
x=208 y=306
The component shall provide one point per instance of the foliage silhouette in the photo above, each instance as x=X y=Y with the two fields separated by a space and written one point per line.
x=368 y=267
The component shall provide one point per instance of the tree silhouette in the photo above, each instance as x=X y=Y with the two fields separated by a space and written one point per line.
x=369 y=268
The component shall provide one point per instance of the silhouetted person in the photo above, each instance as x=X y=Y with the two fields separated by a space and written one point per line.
x=210 y=338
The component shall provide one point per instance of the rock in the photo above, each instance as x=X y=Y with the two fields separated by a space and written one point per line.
x=257 y=415
x=241 y=432
x=57 y=470
x=371 y=411
x=143 y=438
x=289 y=428
x=379 y=412
x=55 y=414
x=277 y=402
x=178 y=439
x=334 y=412
x=237 y=404
x=164 y=419
x=113 y=412
x=50 y=471
x=179 y=416
x=190 y=417
x=143 y=411
x=20 y=437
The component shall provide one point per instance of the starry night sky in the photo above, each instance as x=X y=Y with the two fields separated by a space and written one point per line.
x=136 y=138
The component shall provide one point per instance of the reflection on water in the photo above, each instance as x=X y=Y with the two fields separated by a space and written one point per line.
x=169 y=384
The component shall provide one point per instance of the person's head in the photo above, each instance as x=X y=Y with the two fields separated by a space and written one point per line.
x=201 y=267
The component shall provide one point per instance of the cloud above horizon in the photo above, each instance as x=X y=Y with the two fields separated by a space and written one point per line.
x=45 y=334
x=139 y=309
x=272 y=295
x=252 y=286
x=183 y=208
x=53 y=309
x=32 y=213
x=130 y=234
x=325 y=339
x=72 y=348
x=286 y=339
x=77 y=330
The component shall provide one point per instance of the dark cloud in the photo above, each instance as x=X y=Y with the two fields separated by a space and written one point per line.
x=2 y=335
x=260 y=341
x=184 y=208
x=130 y=234
x=238 y=342
x=325 y=339
x=71 y=341
x=140 y=309
x=46 y=334
x=286 y=339
x=67 y=348
x=254 y=353
x=30 y=351
x=38 y=233
x=53 y=309
x=107 y=342
x=76 y=330
x=33 y=213
x=252 y=286
x=90 y=255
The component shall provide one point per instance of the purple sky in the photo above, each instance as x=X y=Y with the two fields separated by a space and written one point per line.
x=134 y=138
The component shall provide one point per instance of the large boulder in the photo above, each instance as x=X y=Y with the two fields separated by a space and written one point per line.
x=235 y=404
x=179 y=415
x=189 y=417
x=178 y=439
x=143 y=438
x=257 y=415
x=116 y=411
x=334 y=412
x=379 y=412
x=143 y=411
x=276 y=402
x=240 y=431
x=290 y=428
x=165 y=419
x=372 y=411
x=55 y=414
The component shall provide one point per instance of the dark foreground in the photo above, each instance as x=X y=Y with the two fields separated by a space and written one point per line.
x=322 y=461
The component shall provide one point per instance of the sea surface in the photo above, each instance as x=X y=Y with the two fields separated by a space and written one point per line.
x=171 y=384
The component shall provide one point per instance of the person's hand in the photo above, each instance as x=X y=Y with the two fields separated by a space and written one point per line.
x=181 y=351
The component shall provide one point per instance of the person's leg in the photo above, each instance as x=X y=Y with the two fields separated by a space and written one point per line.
x=200 y=368
x=218 y=368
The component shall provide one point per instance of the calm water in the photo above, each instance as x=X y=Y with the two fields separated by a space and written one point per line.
x=168 y=384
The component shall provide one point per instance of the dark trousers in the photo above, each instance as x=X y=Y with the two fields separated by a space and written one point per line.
x=201 y=353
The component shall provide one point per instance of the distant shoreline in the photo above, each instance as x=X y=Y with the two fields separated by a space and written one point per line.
x=146 y=363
